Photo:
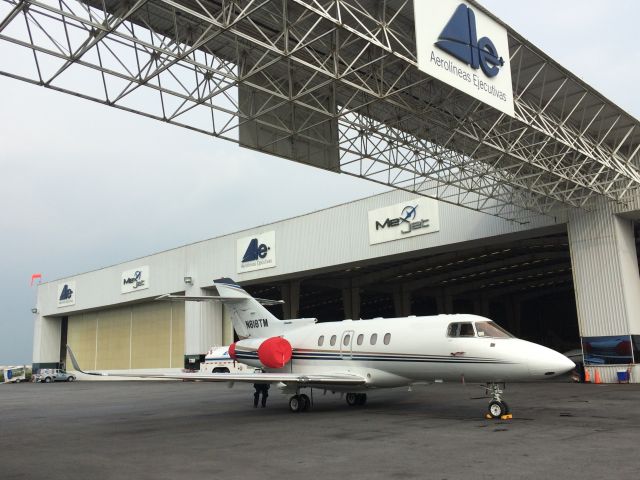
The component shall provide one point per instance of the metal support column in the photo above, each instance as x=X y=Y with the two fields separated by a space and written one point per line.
x=605 y=275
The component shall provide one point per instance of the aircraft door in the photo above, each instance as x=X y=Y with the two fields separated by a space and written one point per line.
x=346 y=345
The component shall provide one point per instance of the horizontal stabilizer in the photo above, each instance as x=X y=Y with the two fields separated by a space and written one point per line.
x=186 y=298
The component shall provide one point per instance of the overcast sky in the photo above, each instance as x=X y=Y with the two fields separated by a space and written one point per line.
x=83 y=186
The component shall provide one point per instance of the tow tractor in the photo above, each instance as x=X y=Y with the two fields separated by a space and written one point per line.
x=217 y=360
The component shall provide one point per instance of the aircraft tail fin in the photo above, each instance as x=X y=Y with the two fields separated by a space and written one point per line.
x=249 y=317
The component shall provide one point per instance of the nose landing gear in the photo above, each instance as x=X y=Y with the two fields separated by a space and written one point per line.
x=498 y=408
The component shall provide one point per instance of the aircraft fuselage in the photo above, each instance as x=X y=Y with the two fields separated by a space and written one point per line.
x=402 y=351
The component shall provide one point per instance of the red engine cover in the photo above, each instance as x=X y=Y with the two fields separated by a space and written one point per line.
x=232 y=350
x=274 y=352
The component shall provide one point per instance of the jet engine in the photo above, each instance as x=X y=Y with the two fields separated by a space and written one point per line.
x=274 y=352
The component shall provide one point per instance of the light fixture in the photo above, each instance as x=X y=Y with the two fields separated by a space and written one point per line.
x=188 y=280
x=34 y=310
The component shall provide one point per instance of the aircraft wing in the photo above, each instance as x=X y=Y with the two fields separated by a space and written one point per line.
x=288 y=378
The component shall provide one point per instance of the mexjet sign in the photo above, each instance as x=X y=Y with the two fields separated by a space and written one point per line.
x=465 y=48
x=134 y=279
x=403 y=220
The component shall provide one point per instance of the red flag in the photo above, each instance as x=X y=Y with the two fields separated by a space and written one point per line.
x=34 y=276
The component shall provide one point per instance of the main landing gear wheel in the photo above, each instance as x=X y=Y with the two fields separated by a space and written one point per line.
x=295 y=404
x=299 y=403
x=358 y=399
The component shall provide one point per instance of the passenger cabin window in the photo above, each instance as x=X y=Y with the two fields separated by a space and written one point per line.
x=374 y=339
x=332 y=341
x=360 y=339
x=460 y=329
x=387 y=338
x=321 y=340
x=346 y=340
x=491 y=329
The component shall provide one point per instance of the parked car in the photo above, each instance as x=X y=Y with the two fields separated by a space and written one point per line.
x=54 y=375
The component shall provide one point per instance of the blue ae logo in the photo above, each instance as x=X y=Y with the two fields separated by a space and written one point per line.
x=255 y=251
x=66 y=293
x=460 y=39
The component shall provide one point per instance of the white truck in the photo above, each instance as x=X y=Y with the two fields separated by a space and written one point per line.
x=50 y=375
x=217 y=360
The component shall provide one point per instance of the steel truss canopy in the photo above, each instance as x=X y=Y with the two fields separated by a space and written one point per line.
x=334 y=84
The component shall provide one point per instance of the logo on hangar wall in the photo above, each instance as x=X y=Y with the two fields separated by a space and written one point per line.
x=460 y=39
x=256 y=252
x=66 y=294
x=135 y=279
x=465 y=48
x=403 y=220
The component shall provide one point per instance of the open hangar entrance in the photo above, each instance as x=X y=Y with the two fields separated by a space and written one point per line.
x=525 y=285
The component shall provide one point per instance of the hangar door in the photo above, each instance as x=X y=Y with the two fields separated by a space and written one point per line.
x=148 y=335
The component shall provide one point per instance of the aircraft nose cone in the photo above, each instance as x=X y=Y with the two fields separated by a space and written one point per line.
x=561 y=364
x=550 y=363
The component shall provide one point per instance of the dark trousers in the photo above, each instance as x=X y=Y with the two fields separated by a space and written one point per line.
x=256 y=397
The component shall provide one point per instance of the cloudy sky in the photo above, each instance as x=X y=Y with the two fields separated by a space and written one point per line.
x=83 y=186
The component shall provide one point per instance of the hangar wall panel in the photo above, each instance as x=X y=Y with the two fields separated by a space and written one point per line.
x=82 y=335
x=177 y=335
x=151 y=336
x=227 y=327
x=139 y=336
x=46 y=340
x=203 y=324
x=114 y=339
x=605 y=273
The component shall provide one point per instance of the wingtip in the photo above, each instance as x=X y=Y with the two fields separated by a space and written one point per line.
x=73 y=359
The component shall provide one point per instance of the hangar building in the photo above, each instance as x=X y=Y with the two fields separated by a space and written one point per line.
x=567 y=282
x=440 y=99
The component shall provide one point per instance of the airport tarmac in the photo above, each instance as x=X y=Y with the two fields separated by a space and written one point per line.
x=176 y=430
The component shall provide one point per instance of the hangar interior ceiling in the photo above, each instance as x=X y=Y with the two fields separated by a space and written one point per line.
x=525 y=285
x=334 y=84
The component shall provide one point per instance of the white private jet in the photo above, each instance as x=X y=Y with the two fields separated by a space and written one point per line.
x=356 y=356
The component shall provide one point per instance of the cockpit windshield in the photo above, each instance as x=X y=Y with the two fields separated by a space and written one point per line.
x=491 y=329
x=482 y=329
x=461 y=329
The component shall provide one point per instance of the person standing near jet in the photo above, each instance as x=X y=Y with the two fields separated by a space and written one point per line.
x=260 y=388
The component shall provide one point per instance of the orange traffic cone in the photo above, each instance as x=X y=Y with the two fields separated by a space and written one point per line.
x=587 y=376
x=597 y=377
